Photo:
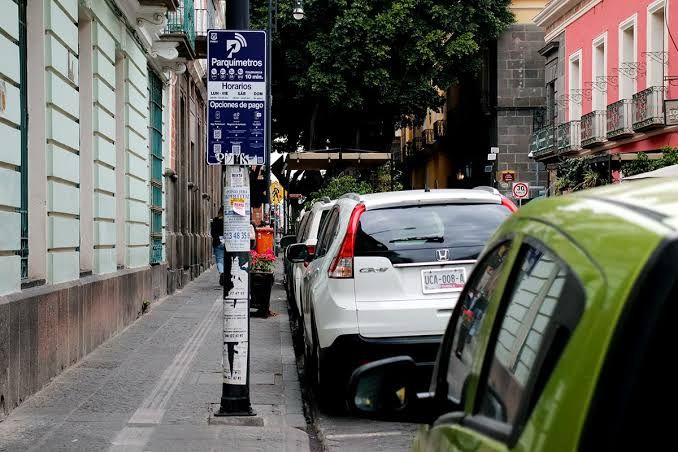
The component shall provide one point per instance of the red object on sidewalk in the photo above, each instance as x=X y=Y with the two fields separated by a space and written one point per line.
x=264 y=239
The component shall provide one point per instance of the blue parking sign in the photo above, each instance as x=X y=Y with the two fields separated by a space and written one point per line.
x=236 y=97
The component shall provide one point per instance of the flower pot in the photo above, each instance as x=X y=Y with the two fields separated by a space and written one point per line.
x=260 y=292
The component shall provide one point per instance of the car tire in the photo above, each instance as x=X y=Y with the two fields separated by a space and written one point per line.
x=328 y=387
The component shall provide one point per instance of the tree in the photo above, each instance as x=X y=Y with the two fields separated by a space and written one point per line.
x=354 y=69
x=335 y=187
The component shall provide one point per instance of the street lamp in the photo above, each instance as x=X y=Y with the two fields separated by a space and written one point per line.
x=298 y=11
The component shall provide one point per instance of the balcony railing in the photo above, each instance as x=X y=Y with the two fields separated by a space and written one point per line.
x=543 y=142
x=181 y=26
x=593 y=128
x=648 y=108
x=569 y=137
x=440 y=128
x=428 y=136
x=619 y=119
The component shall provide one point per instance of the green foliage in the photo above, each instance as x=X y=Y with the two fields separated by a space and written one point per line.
x=578 y=174
x=381 y=179
x=368 y=64
x=337 y=186
x=643 y=164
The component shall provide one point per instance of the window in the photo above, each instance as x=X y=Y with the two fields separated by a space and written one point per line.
x=327 y=234
x=302 y=227
x=155 y=157
x=551 y=106
x=575 y=87
x=470 y=320
x=413 y=233
x=627 y=57
x=655 y=58
x=539 y=317
x=598 y=70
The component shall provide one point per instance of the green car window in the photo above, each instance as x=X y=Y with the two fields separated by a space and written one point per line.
x=544 y=305
x=466 y=330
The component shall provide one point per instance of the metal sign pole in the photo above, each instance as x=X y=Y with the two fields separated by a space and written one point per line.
x=235 y=395
x=237 y=127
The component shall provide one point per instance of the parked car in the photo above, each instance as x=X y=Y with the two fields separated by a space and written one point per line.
x=386 y=273
x=307 y=236
x=558 y=343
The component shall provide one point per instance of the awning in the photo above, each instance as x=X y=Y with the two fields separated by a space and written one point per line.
x=667 y=171
x=327 y=159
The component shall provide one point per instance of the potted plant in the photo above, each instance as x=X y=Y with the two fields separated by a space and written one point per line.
x=261 y=281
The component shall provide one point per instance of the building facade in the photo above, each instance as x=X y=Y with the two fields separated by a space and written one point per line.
x=612 y=66
x=83 y=200
x=491 y=110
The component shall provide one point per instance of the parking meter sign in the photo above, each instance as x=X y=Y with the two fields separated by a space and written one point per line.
x=520 y=190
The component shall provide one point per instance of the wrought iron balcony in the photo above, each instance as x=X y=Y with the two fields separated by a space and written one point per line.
x=648 y=108
x=619 y=123
x=440 y=128
x=569 y=137
x=543 y=142
x=429 y=137
x=593 y=128
x=181 y=28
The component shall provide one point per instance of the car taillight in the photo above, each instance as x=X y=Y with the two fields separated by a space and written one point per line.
x=508 y=204
x=342 y=264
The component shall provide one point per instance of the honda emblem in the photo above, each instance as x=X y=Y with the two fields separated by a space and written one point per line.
x=443 y=254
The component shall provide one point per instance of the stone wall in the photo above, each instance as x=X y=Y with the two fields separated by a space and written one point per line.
x=520 y=91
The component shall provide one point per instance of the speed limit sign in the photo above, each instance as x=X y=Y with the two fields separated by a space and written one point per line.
x=520 y=190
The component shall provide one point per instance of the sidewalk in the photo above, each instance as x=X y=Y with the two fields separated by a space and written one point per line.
x=152 y=386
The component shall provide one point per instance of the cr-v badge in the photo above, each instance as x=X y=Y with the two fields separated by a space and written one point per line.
x=373 y=270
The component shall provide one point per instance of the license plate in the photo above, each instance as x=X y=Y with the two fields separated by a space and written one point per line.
x=443 y=280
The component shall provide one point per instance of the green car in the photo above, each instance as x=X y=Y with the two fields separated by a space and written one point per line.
x=561 y=339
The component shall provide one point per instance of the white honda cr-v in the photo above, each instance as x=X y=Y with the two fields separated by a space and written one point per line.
x=387 y=271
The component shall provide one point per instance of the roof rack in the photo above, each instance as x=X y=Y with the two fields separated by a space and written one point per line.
x=488 y=189
x=354 y=196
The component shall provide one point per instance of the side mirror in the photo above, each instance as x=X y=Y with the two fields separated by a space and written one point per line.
x=296 y=253
x=383 y=387
x=287 y=241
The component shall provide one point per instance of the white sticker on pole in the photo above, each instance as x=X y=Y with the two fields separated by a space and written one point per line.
x=235 y=361
x=520 y=190
x=237 y=211
x=235 y=320
x=239 y=278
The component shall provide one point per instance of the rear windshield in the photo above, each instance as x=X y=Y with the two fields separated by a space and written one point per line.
x=413 y=234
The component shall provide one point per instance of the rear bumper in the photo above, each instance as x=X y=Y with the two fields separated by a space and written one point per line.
x=350 y=351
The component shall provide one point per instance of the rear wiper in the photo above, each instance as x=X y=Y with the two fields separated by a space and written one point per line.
x=419 y=239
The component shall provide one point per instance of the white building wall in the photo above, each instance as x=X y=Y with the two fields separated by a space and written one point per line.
x=114 y=165
x=10 y=151
x=63 y=140
x=137 y=230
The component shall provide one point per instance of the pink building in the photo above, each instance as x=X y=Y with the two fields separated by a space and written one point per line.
x=610 y=65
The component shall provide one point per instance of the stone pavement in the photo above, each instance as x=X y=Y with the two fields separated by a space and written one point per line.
x=152 y=387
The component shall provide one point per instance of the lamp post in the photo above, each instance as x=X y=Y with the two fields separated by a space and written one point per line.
x=298 y=11
x=298 y=14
